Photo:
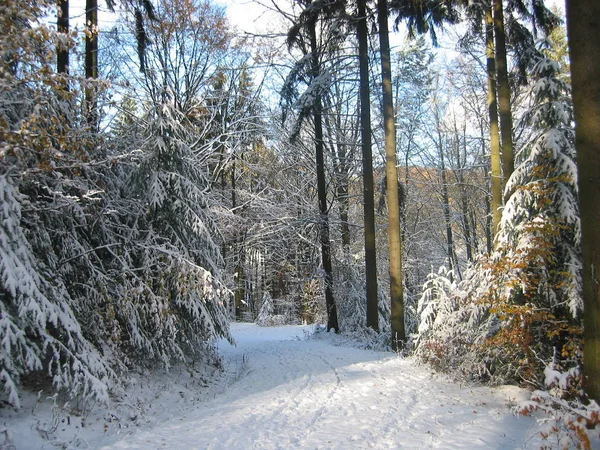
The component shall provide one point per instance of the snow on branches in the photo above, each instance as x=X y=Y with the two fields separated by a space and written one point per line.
x=519 y=308
x=109 y=257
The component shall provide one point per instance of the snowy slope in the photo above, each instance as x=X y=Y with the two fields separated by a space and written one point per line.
x=295 y=393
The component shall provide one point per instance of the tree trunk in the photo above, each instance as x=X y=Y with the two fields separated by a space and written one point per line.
x=584 y=49
x=459 y=174
x=368 y=189
x=391 y=172
x=508 y=159
x=91 y=60
x=341 y=172
x=62 y=25
x=494 y=133
x=332 y=321
x=446 y=205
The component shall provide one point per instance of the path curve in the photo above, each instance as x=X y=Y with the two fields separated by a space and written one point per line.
x=298 y=393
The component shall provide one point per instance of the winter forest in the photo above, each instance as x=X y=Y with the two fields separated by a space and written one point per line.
x=421 y=175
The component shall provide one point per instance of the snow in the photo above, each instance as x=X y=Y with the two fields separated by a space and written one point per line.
x=285 y=389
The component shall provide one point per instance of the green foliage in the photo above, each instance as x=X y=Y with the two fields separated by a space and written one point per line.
x=108 y=258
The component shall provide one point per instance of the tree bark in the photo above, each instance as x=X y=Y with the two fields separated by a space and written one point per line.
x=508 y=159
x=459 y=174
x=446 y=201
x=91 y=60
x=583 y=24
x=391 y=172
x=368 y=189
x=62 y=25
x=332 y=321
x=496 y=180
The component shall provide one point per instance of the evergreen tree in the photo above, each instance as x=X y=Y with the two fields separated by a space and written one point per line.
x=521 y=309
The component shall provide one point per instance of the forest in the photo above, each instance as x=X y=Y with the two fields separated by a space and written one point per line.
x=422 y=174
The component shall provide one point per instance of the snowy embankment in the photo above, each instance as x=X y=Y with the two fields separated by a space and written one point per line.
x=288 y=392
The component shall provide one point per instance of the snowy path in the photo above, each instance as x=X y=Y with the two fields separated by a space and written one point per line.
x=310 y=394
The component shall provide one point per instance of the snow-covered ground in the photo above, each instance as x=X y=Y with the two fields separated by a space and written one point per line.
x=281 y=390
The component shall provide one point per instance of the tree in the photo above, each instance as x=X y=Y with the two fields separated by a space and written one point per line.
x=92 y=32
x=109 y=264
x=62 y=57
x=503 y=92
x=414 y=70
x=332 y=321
x=422 y=16
x=91 y=61
x=496 y=175
x=307 y=22
x=391 y=173
x=368 y=186
x=582 y=23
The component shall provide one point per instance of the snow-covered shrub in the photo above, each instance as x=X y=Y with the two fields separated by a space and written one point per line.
x=351 y=302
x=350 y=295
x=267 y=311
x=568 y=422
x=280 y=311
x=454 y=323
x=312 y=302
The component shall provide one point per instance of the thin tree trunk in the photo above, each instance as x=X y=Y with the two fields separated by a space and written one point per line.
x=332 y=321
x=340 y=166
x=91 y=60
x=368 y=188
x=343 y=198
x=464 y=201
x=584 y=49
x=473 y=223
x=446 y=206
x=487 y=198
x=391 y=171
x=508 y=159
x=238 y=253
x=494 y=133
x=62 y=25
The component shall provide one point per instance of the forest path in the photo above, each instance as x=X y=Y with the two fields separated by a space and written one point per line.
x=296 y=393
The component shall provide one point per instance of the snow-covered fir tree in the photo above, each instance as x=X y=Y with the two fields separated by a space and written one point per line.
x=108 y=253
x=520 y=307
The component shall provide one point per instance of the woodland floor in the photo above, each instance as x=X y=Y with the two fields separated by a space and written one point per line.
x=291 y=392
x=282 y=388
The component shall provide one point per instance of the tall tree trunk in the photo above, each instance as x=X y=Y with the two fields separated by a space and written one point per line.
x=91 y=60
x=584 y=49
x=341 y=173
x=237 y=252
x=391 y=172
x=332 y=321
x=343 y=198
x=508 y=159
x=494 y=133
x=473 y=223
x=459 y=175
x=487 y=199
x=62 y=25
x=368 y=188
x=446 y=204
